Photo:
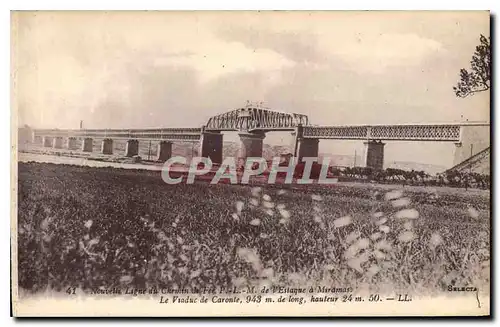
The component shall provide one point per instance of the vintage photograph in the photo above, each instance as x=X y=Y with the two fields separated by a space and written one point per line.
x=250 y=163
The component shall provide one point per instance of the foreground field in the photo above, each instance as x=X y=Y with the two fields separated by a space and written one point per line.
x=101 y=227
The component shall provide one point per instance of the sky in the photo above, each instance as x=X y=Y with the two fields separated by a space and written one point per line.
x=177 y=69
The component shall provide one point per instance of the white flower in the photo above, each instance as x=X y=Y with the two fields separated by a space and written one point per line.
x=280 y=206
x=235 y=216
x=473 y=212
x=268 y=205
x=93 y=241
x=373 y=270
x=238 y=282
x=162 y=236
x=88 y=223
x=351 y=251
x=352 y=237
x=378 y=214
x=379 y=255
x=376 y=236
x=355 y=264
x=406 y=236
x=45 y=224
x=408 y=225
x=239 y=206
x=363 y=243
x=281 y=192
x=267 y=273
x=269 y=212
x=435 y=240
x=256 y=191
x=284 y=213
x=343 y=221
x=383 y=245
x=195 y=273
x=254 y=202
x=329 y=267
x=126 y=279
x=400 y=202
x=316 y=197
x=384 y=228
x=381 y=221
x=407 y=213
x=392 y=195
x=250 y=256
x=255 y=222
x=295 y=278
x=266 y=197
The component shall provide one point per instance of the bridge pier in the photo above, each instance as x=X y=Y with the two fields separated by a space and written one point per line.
x=107 y=146
x=71 y=143
x=250 y=145
x=473 y=139
x=164 y=151
x=307 y=148
x=57 y=142
x=211 y=146
x=374 y=154
x=47 y=141
x=88 y=144
x=132 y=148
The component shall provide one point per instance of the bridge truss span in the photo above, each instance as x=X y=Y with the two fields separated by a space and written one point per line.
x=251 y=119
x=413 y=132
x=164 y=134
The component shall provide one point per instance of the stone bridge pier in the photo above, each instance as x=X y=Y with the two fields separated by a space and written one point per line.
x=307 y=148
x=87 y=144
x=211 y=146
x=132 y=148
x=304 y=147
x=71 y=145
x=250 y=146
x=57 y=142
x=474 y=139
x=374 y=154
x=107 y=146
x=164 y=151
x=47 y=141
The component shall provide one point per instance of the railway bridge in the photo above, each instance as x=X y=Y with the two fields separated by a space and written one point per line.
x=253 y=122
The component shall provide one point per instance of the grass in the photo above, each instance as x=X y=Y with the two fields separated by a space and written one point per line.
x=101 y=227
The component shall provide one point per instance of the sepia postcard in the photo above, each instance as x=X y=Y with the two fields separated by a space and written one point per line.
x=250 y=163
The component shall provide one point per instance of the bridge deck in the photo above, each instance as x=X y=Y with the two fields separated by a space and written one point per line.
x=436 y=132
x=402 y=132
x=167 y=134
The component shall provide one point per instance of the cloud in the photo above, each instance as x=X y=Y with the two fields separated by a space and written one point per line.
x=221 y=58
x=377 y=52
x=297 y=46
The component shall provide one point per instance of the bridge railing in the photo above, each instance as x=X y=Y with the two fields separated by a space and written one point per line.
x=449 y=133
x=188 y=134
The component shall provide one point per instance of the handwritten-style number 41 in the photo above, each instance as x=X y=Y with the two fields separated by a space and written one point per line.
x=71 y=290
